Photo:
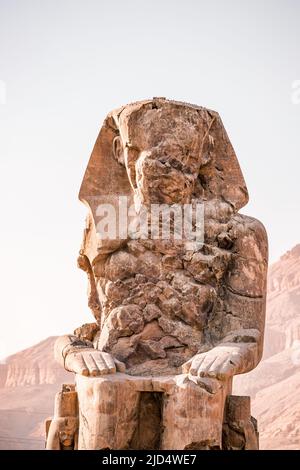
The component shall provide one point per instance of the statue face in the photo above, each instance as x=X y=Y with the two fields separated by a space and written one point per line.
x=162 y=155
x=160 y=174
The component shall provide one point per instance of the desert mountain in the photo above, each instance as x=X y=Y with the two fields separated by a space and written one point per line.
x=28 y=383
x=275 y=384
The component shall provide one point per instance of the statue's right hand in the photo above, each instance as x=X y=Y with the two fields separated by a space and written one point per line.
x=92 y=362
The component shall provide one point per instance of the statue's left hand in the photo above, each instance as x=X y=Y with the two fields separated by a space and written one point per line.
x=221 y=362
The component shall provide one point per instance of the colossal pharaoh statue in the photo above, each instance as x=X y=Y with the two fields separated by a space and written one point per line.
x=175 y=319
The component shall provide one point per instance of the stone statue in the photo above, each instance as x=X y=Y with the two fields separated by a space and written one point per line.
x=175 y=318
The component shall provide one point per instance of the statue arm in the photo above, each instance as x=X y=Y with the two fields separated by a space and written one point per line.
x=240 y=346
x=80 y=356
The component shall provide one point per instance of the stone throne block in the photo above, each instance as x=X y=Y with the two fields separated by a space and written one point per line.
x=133 y=415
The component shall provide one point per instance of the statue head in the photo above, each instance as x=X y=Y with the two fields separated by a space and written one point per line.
x=162 y=151
x=159 y=145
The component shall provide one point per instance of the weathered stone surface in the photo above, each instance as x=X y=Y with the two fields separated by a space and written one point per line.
x=163 y=305
x=112 y=412
x=62 y=430
x=239 y=428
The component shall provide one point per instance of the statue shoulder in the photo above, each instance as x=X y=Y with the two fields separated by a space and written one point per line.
x=249 y=237
x=247 y=274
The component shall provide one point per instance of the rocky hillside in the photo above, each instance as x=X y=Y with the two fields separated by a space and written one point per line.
x=283 y=302
x=28 y=383
x=33 y=366
x=30 y=378
x=275 y=384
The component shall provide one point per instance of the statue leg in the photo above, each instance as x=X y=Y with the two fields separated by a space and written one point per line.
x=108 y=411
x=239 y=427
x=62 y=430
x=192 y=414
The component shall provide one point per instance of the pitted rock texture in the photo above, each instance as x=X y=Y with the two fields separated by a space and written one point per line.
x=159 y=308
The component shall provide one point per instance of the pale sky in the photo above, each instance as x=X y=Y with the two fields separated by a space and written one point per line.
x=65 y=64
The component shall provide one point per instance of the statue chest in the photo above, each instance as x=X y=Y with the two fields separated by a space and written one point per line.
x=156 y=306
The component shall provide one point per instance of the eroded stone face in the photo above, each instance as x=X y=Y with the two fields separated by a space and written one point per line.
x=163 y=152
